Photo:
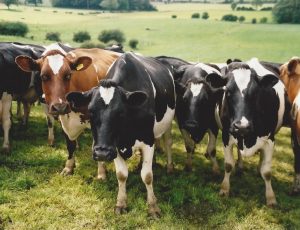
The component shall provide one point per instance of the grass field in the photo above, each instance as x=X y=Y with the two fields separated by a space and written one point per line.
x=34 y=196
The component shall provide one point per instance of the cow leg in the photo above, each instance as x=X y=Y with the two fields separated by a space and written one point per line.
x=19 y=110
x=158 y=147
x=265 y=172
x=27 y=107
x=239 y=163
x=50 y=124
x=229 y=165
x=190 y=149
x=211 y=150
x=101 y=171
x=147 y=177
x=6 y=120
x=122 y=175
x=296 y=150
x=70 y=163
x=167 y=139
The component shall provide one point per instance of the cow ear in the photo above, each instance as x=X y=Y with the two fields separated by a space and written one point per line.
x=27 y=64
x=292 y=65
x=178 y=72
x=136 y=98
x=215 y=80
x=268 y=80
x=79 y=99
x=81 y=63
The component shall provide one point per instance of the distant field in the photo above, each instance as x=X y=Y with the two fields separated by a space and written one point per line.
x=159 y=34
x=34 y=196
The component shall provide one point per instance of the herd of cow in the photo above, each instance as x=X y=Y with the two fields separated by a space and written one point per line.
x=129 y=101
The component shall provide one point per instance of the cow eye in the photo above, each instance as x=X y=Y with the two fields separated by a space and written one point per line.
x=68 y=77
x=45 y=77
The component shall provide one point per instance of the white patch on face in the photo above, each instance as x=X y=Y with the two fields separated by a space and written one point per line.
x=53 y=46
x=162 y=126
x=55 y=62
x=259 y=69
x=196 y=89
x=244 y=122
x=107 y=94
x=242 y=78
x=72 y=125
x=280 y=90
x=208 y=69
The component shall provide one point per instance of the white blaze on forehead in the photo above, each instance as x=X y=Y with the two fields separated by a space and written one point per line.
x=53 y=46
x=242 y=78
x=259 y=69
x=244 y=122
x=107 y=94
x=55 y=62
x=196 y=89
x=208 y=69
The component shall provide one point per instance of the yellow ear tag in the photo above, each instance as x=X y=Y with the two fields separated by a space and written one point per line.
x=79 y=67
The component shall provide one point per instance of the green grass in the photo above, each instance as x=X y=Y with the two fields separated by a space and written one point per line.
x=34 y=196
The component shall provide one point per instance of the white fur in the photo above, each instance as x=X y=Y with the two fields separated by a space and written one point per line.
x=55 y=62
x=208 y=69
x=244 y=121
x=5 y=107
x=259 y=69
x=53 y=46
x=72 y=125
x=196 y=89
x=242 y=78
x=259 y=144
x=163 y=125
x=107 y=94
x=280 y=90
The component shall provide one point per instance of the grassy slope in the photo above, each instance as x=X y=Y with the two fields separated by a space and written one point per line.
x=34 y=196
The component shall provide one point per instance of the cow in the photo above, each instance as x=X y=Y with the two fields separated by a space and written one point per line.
x=290 y=76
x=134 y=105
x=251 y=110
x=62 y=72
x=13 y=80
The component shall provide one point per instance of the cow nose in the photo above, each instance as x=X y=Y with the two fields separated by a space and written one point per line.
x=191 y=124
x=241 y=129
x=192 y=127
x=102 y=153
x=59 y=108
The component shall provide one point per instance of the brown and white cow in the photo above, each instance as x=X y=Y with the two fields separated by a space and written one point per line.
x=290 y=75
x=78 y=70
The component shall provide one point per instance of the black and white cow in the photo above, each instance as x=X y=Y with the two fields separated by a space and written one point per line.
x=13 y=80
x=132 y=107
x=252 y=109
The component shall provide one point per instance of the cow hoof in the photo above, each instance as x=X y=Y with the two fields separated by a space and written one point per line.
x=207 y=156
x=120 y=210
x=101 y=177
x=154 y=212
x=51 y=143
x=6 y=150
x=224 y=193
x=170 y=168
x=272 y=204
x=67 y=172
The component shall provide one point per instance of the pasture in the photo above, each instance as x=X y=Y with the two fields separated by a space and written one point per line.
x=33 y=195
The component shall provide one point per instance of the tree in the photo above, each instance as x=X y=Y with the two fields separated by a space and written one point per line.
x=287 y=11
x=110 y=4
x=35 y=2
x=205 y=15
x=241 y=19
x=233 y=5
x=257 y=3
x=9 y=2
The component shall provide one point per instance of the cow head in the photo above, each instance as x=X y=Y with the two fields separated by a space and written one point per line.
x=196 y=98
x=109 y=107
x=56 y=71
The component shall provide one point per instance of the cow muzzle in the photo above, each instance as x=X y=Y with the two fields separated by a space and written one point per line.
x=241 y=129
x=102 y=153
x=192 y=127
x=59 y=108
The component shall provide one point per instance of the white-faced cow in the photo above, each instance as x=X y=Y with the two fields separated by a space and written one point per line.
x=132 y=107
x=290 y=75
x=251 y=111
x=13 y=80
x=61 y=72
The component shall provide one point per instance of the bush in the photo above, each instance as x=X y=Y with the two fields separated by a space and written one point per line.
x=174 y=16
x=109 y=35
x=205 y=15
x=89 y=45
x=266 y=9
x=263 y=20
x=13 y=28
x=230 y=18
x=242 y=19
x=244 y=8
x=53 y=36
x=195 y=15
x=133 y=43
x=81 y=36
x=286 y=11
x=254 y=21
